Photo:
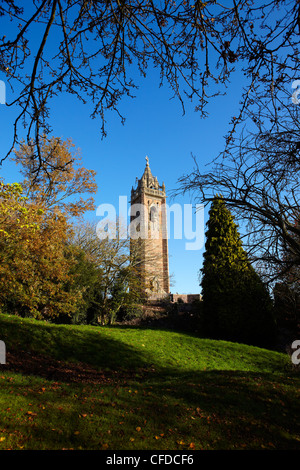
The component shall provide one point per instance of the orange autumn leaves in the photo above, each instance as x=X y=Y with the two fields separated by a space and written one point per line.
x=35 y=261
x=58 y=180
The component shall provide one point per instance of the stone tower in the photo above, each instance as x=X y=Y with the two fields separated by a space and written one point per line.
x=148 y=217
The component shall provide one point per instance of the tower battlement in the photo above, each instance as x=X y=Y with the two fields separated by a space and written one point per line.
x=147 y=184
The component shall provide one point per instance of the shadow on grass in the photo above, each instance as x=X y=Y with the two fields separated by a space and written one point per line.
x=116 y=349
x=86 y=345
x=211 y=409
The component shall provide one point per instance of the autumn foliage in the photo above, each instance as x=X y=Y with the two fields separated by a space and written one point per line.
x=59 y=181
x=36 y=261
x=52 y=264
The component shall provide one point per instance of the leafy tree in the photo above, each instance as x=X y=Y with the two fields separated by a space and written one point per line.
x=237 y=305
x=118 y=283
x=109 y=256
x=33 y=266
x=62 y=180
x=118 y=296
x=37 y=267
x=86 y=281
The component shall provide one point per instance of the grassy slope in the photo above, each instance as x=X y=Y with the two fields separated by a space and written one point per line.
x=182 y=392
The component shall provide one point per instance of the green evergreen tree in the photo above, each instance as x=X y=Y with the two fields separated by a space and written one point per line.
x=237 y=305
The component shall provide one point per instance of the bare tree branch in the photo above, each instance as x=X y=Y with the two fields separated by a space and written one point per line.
x=90 y=48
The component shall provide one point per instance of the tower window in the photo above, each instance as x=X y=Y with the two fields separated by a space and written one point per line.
x=153 y=215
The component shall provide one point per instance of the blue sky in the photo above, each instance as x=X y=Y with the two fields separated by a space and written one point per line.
x=154 y=127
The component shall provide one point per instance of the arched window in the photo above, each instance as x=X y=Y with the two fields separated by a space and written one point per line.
x=153 y=213
x=154 y=217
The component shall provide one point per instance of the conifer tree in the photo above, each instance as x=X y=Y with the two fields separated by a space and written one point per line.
x=237 y=305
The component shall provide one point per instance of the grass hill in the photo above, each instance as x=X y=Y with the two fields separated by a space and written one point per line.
x=125 y=388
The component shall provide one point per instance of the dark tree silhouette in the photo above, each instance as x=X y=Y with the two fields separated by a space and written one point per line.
x=236 y=303
x=258 y=177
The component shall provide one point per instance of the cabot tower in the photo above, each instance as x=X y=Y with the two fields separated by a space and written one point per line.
x=148 y=217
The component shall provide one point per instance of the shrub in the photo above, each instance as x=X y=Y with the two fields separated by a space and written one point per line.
x=237 y=305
